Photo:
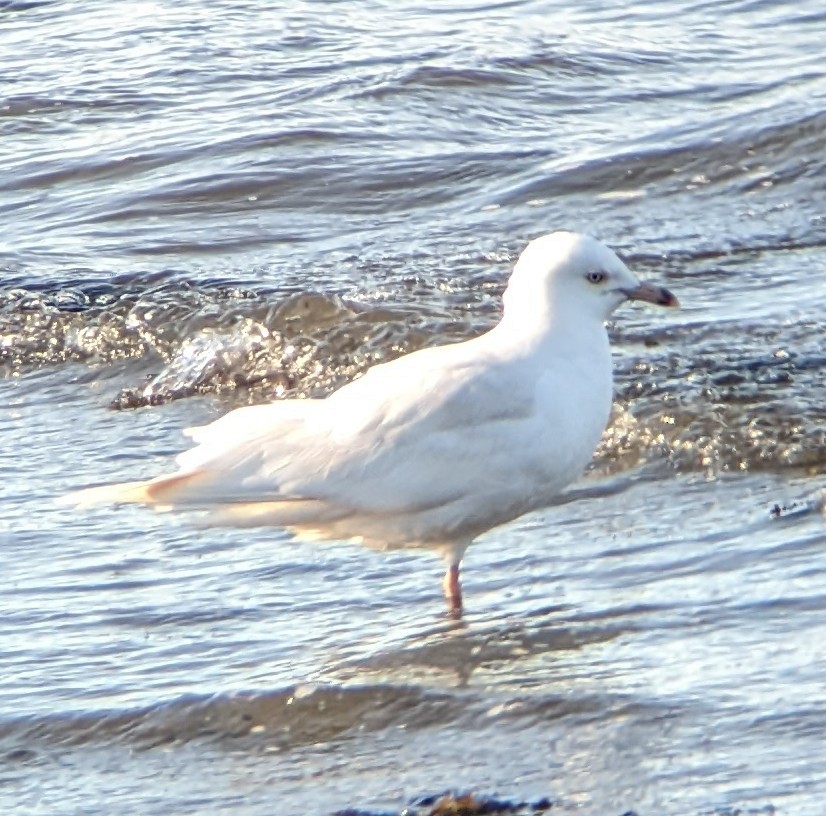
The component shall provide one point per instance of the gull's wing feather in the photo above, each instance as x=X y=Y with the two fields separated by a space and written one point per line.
x=420 y=437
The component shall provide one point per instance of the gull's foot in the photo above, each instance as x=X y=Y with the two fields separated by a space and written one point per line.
x=454 y=608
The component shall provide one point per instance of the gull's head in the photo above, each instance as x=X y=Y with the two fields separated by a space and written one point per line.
x=567 y=272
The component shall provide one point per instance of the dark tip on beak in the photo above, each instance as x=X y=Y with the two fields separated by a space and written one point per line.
x=658 y=295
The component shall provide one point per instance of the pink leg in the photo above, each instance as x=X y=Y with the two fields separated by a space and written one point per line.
x=453 y=589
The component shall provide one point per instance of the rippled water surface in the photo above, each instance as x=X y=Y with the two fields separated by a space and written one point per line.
x=206 y=205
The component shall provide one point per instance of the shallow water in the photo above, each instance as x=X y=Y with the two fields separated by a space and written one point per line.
x=206 y=205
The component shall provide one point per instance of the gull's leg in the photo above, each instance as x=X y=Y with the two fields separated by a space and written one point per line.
x=453 y=552
x=453 y=589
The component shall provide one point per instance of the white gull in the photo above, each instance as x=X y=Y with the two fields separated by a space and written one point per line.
x=436 y=447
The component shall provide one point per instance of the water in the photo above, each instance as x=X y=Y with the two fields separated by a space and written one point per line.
x=206 y=205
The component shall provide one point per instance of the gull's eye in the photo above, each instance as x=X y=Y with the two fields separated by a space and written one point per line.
x=596 y=277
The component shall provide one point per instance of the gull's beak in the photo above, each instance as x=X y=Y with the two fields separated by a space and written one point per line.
x=658 y=295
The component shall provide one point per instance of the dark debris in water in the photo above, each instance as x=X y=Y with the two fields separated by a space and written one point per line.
x=461 y=804
x=796 y=509
x=473 y=804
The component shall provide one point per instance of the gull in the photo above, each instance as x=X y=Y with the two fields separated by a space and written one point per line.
x=436 y=447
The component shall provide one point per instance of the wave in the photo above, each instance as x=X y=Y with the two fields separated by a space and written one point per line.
x=694 y=397
x=728 y=154
x=210 y=339
x=714 y=401
x=303 y=714
x=289 y=717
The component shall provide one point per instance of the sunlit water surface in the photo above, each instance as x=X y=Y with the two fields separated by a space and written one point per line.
x=207 y=205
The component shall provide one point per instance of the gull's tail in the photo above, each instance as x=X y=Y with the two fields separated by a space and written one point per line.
x=195 y=490
x=160 y=492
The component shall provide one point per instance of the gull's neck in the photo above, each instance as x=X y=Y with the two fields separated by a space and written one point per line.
x=537 y=329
